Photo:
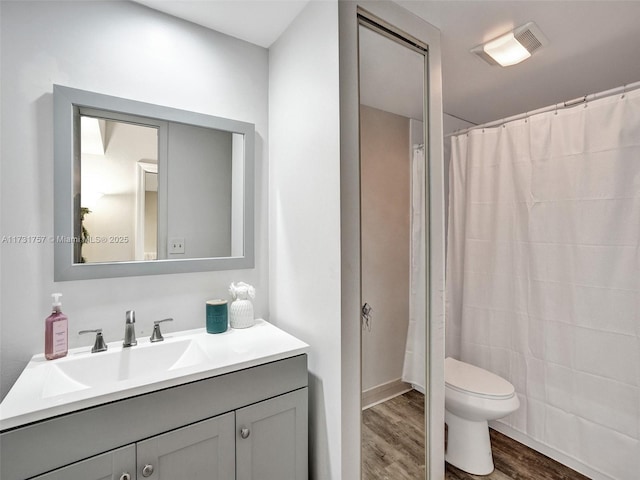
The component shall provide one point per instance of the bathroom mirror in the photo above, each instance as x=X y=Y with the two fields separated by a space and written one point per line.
x=143 y=189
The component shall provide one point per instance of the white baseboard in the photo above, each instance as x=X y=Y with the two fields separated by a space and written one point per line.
x=418 y=388
x=382 y=393
x=570 y=462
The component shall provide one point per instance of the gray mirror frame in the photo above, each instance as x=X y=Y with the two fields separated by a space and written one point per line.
x=65 y=102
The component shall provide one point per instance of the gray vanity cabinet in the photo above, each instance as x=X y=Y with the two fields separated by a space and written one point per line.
x=114 y=465
x=205 y=450
x=248 y=424
x=271 y=439
x=265 y=441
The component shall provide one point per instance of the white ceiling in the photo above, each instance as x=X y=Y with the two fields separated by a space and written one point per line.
x=260 y=22
x=593 y=46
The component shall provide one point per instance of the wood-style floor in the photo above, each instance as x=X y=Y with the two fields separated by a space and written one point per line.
x=393 y=448
x=393 y=439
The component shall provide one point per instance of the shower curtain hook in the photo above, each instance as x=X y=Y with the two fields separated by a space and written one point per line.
x=624 y=91
x=556 y=110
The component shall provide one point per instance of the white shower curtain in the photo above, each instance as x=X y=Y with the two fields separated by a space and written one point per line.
x=543 y=275
x=413 y=371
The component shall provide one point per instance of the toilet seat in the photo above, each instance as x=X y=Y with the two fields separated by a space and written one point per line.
x=475 y=381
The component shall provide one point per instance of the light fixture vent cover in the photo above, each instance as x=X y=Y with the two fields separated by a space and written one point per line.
x=528 y=36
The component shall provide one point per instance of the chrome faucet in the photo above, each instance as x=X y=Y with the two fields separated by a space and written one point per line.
x=156 y=336
x=130 y=330
x=99 y=345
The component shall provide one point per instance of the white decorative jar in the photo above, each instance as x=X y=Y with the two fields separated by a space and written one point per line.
x=241 y=309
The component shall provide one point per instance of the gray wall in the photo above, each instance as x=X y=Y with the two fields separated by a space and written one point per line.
x=199 y=190
x=304 y=215
x=126 y=50
x=386 y=201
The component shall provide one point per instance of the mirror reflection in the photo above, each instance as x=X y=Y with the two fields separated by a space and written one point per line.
x=152 y=189
x=147 y=239
x=394 y=230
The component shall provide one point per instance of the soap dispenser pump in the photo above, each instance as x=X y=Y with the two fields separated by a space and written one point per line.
x=56 y=336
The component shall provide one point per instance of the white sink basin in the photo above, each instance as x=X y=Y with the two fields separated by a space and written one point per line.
x=83 y=379
x=117 y=364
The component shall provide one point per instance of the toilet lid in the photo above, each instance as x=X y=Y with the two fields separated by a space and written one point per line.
x=475 y=381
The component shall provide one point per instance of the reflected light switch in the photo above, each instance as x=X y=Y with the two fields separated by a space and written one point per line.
x=176 y=245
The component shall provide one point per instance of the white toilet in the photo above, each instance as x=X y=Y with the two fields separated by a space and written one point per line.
x=473 y=396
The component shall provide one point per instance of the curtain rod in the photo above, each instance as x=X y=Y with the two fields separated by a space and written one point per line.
x=558 y=106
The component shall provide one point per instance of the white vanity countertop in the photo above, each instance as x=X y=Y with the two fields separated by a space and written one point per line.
x=82 y=379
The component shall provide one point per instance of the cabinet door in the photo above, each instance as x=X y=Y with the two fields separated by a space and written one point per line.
x=118 y=464
x=271 y=439
x=202 y=451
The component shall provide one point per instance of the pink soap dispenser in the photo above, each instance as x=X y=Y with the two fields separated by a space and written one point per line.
x=56 y=337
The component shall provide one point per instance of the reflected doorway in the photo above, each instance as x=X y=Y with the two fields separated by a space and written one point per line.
x=118 y=167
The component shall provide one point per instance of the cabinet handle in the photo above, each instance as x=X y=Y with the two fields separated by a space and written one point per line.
x=125 y=476
x=147 y=470
x=245 y=432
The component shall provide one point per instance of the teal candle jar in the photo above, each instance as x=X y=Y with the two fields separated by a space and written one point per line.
x=217 y=316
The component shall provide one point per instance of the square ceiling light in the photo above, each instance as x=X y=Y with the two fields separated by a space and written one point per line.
x=513 y=47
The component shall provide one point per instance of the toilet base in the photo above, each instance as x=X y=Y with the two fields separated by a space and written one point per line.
x=468 y=445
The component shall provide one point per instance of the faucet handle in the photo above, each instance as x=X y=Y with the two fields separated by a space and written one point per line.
x=156 y=336
x=99 y=345
x=131 y=316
